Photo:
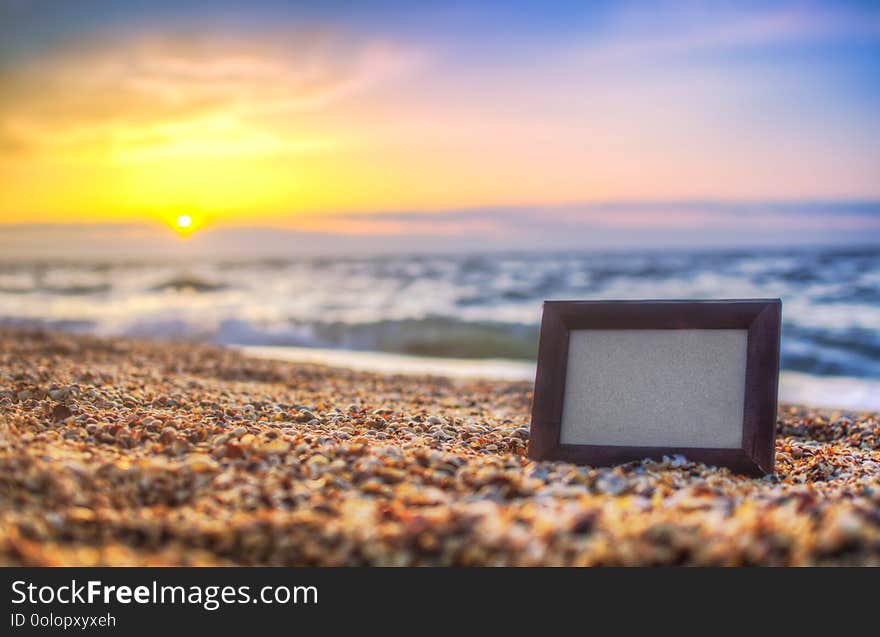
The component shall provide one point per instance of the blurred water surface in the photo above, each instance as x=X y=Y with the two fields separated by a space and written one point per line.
x=473 y=307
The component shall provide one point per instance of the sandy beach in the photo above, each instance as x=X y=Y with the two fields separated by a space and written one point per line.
x=124 y=452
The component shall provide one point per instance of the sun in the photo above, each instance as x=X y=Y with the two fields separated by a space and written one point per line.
x=184 y=222
x=183 y=225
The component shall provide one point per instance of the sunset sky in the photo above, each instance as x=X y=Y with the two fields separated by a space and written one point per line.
x=360 y=117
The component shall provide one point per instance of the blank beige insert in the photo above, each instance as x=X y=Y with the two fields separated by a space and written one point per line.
x=655 y=388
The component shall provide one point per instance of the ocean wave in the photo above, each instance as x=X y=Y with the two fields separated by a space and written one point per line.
x=61 y=290
x=188 y=283
x=70 y=325
x=478 y=306
x=433 y=336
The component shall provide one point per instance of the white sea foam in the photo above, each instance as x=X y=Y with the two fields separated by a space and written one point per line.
x=794 y=388
x=385 y=363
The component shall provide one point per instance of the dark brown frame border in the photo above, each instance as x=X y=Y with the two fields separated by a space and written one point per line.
x=761 y=317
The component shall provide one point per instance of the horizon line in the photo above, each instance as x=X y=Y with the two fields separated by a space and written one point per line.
x=271 y=219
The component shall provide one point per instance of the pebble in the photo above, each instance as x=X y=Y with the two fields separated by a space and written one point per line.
x=177 y=454
x=61 y=412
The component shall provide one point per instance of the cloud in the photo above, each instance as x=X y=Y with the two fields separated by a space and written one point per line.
x=170 y=89
x=668 y=218
x=643 y=34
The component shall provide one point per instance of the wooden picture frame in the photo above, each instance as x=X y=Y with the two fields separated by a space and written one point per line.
x=760 y=319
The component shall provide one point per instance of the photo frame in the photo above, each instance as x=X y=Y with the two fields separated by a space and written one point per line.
x=619 y=381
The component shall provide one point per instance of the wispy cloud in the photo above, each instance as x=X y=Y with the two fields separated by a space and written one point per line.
x=649 y=33
x=521 y=223
x=169 y=91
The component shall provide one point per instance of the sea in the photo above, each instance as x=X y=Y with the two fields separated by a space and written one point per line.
x=458 y=314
